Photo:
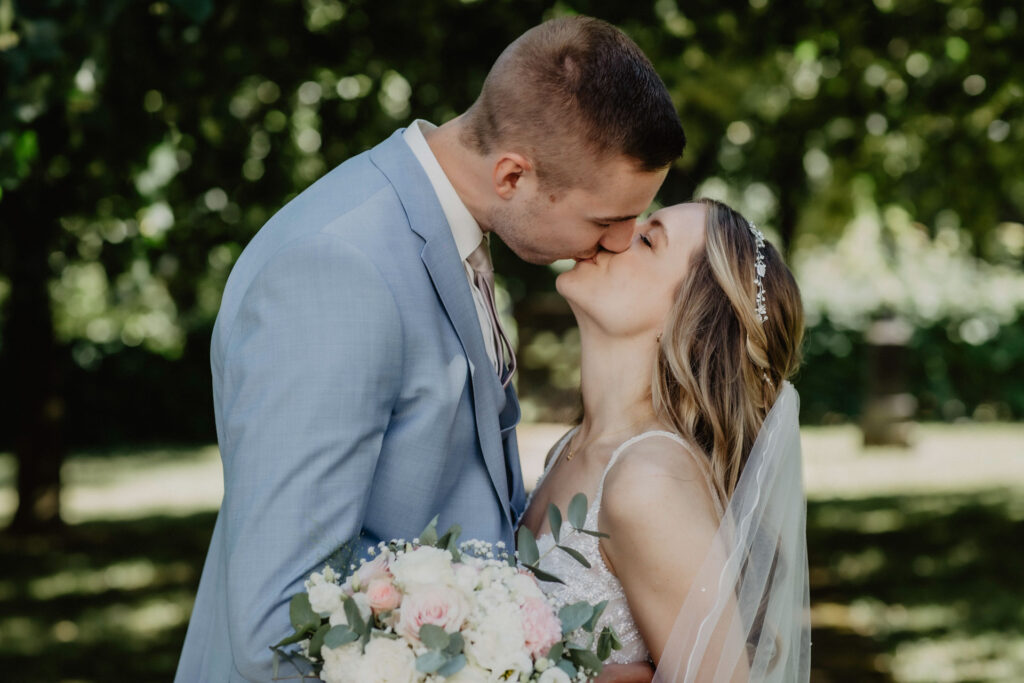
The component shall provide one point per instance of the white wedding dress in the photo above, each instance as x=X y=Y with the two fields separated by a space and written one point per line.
x=596 y=583
x=750 y=619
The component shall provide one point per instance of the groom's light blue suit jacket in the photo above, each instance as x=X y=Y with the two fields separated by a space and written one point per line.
x=353 y=397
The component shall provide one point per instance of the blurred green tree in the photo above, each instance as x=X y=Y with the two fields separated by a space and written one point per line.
x=142 y=144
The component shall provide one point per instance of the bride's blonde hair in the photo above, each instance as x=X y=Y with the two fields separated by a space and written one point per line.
x=719 y=366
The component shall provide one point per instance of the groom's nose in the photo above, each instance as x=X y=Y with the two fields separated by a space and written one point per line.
x=619 y=236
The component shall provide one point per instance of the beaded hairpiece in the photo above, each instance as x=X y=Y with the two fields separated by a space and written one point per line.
x=759 y=271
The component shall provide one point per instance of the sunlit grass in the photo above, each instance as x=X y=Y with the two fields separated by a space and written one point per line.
x=914 y=559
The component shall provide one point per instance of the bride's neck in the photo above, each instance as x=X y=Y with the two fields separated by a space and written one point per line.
x=615 y=381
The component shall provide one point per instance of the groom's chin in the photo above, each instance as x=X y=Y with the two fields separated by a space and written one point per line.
x=535 y=258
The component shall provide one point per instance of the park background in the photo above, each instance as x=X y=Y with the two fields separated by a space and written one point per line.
x=879 y=144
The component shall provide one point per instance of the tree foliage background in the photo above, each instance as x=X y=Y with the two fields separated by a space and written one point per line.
x=142 y=144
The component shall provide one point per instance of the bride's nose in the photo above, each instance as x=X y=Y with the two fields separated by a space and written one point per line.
x=618 y=237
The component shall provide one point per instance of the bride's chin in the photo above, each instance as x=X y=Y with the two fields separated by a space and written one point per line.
x=563 y=285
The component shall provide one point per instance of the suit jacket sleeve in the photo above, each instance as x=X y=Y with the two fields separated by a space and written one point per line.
x=311 y=372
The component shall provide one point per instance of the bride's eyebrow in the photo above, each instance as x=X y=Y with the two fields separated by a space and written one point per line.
x=658 y=225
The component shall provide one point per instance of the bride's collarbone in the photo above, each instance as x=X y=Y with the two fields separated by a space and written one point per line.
x=562 y=483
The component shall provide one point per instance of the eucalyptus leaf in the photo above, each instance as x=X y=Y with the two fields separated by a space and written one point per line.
x=317 y=641
x=339 y=636
x=555 y=520
x=431 y=661
x=555 y=653
x=302 y=616
x=450 y=539
x=429 y=535
x=434 y=637
x=456 y=643
x=595 y=534
x=527 y=545
x=575 y=554
x=604 y=646
x=575 y=615
x=566 y=666
x=598 y=611
x=453 y=666
x=293 y=638
x=585 y=659
x=354 y=618
x=578 y=511
x=616 y=643
x=543 y=575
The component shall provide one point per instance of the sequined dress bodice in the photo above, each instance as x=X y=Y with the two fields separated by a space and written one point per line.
x=596 y=583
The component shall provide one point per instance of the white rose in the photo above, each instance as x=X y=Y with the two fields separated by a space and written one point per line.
x=343 y=664
x=467 y=578
x=554 y=675
x=389 y=661
x=338 y=616
x=525 y=586
x=469 y=674
x=423 y=566
x=498 y=642
x=490 y=575
x=325 y=598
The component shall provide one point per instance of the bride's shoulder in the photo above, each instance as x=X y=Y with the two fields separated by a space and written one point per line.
x=657 y=477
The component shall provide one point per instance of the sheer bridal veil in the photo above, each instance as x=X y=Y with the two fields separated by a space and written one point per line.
x=747 y=614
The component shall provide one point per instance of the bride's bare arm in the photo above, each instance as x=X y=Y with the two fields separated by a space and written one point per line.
x=660 y=515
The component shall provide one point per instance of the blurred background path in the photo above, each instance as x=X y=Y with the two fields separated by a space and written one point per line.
x=914 y=553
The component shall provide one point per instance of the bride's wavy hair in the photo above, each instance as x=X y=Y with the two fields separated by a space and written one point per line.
x=719 y=367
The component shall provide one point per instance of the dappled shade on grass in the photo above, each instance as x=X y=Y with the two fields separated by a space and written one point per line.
x=902 y=588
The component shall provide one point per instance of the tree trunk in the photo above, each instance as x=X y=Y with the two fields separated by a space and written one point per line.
x=34 y=392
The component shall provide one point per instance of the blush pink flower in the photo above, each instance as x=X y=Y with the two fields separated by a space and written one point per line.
x=383 y=595
x=375 y=569
x=540 y=626
x=440 y=605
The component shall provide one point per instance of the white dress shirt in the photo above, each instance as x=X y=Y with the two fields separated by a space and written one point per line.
x=465 y=230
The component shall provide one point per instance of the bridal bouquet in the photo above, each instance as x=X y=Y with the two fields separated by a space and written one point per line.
x=439 y=610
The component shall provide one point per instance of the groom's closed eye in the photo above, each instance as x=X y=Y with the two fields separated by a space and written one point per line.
x=607 y=222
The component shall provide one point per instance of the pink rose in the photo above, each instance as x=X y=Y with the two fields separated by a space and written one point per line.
x=383 y=595
x=540 y=625
x=438 y=604
x=375 y=569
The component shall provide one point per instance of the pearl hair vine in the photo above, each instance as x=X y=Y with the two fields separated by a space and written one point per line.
x=760 y=302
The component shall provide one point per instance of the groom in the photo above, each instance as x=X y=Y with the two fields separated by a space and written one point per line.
x=360 y=381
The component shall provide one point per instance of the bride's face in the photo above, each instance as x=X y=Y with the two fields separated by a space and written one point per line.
x=631 y=293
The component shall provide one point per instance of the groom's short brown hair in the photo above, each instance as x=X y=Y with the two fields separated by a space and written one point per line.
x=572 y=91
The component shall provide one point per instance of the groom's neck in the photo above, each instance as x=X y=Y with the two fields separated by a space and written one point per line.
x=465 y=168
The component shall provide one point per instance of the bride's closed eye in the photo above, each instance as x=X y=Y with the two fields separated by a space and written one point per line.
x=646 y=240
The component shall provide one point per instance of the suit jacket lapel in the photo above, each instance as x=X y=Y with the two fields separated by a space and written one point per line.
x=440 y=256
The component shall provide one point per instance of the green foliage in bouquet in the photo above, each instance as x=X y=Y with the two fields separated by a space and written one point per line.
x=529 y=554
x=445 y=656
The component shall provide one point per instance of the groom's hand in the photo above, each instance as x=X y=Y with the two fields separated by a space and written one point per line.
x=640 y=672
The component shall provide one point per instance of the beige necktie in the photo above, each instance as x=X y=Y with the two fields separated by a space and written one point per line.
x=483 y=278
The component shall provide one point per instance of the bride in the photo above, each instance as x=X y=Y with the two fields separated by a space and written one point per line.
x=689 y=453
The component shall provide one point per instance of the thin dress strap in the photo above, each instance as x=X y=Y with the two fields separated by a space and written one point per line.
x=640 y=437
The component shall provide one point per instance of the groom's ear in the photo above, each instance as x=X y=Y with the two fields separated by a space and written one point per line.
x=509 y=172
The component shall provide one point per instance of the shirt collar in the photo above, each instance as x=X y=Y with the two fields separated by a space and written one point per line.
x=465 y=230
